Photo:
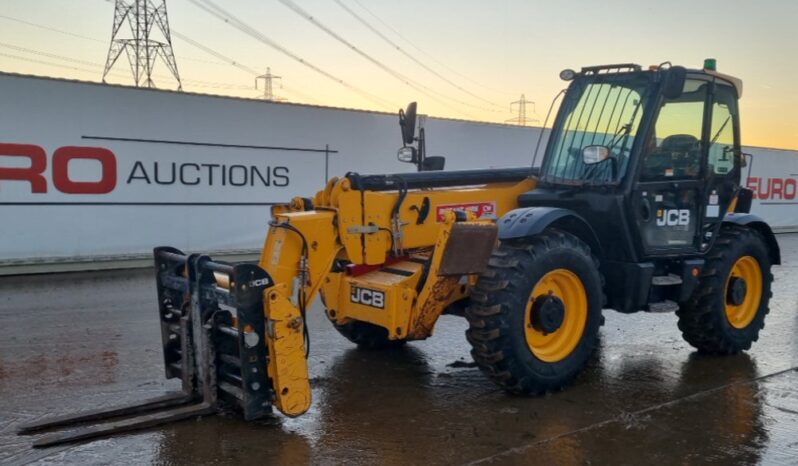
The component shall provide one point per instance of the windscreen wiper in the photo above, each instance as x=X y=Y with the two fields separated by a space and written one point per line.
x=626 y=129
x=722 y=127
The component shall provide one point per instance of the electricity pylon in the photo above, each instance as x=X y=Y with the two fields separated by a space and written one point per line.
x=268 y=80
x=521 y=119
x=141 y=49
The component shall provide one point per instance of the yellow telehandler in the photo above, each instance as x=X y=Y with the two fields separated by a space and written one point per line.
x=637 y=205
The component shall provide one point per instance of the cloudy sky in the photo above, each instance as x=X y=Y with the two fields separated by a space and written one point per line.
x=457 y=58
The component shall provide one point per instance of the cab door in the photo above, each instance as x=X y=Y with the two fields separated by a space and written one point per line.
x=723 y=167
x=668 y=196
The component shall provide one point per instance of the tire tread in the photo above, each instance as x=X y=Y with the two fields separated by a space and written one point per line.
x=496 y=295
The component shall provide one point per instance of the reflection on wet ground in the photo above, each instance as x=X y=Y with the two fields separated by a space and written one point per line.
x=77 y=341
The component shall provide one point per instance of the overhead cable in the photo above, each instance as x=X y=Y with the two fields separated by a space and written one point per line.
x=226 y=17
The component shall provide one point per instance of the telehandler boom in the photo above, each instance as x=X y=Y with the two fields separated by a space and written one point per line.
x=637 y=205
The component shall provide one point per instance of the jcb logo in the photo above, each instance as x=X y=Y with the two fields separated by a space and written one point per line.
x=258 y=282
x=673 y=217
x=367 y=297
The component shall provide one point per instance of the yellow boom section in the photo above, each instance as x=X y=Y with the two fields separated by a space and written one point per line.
x=359 y=228
x=299 y=250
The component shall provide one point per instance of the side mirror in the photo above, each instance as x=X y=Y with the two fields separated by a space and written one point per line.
x=406 y=154
x=595 y=154
x=407 y=121
x=744 y=157
x=433 y=163
x=673 y=82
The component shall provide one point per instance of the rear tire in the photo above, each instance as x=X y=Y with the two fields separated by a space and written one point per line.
x=367 y=336
x=520 y=356
x=710 y=320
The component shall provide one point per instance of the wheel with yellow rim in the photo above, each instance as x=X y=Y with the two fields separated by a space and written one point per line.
x=551 y=332
x=728 y=308
x=534 y=314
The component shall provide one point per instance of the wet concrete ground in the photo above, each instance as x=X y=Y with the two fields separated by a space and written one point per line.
x=78 y=341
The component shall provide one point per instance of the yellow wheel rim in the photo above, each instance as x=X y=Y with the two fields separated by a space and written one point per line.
x=557 y=345
x=740 y=315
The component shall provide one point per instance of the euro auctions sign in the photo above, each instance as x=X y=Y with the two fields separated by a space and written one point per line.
x=119 y=198
x=774 y=190
x=773 y=178
x=96 y=174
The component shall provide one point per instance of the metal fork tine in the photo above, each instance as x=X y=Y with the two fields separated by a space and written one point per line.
x=125 y=425
x=165 y=401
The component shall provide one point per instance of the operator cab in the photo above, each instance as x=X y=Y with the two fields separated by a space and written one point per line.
x=650 y=157
x=651 y=161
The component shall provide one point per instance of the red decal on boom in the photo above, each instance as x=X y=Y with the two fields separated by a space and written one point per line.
x=480 y=209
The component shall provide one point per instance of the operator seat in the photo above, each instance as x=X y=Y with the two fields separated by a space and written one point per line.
x=678 y=152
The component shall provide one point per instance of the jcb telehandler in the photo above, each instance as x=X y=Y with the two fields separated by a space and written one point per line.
x=637 y=205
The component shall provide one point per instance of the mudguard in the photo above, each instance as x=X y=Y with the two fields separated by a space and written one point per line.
x=530 y=221
x=756 y=222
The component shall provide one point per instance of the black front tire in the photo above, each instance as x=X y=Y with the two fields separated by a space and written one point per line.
x=703 y=319
x=497 y=314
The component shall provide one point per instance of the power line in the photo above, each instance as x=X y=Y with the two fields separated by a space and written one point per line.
x=225 y=60
x=430 y=56
x=44 y=62
x=92 y=39
x=48 y=55
x=190 y=82
x=408 y=55
x=226 y=17
x=194 y=83
x=52 y=29
x=97 y=66
x=230 y=61
x=210 y=51
x=399 y=76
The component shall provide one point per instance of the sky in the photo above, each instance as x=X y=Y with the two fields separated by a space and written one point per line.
x=464 y=59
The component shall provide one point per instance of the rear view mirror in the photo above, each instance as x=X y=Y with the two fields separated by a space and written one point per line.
x=407 y=121
x=673 y=82
x=433 y=163
x=407 y=154
x=595 y=154
x=744 y=158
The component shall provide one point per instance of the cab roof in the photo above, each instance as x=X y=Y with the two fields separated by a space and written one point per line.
x=737 y=83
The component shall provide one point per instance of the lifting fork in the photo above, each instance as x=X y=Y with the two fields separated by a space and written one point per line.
x=212 y=328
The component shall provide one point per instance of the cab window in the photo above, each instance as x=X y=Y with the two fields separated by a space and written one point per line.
x=721 y=144
x=673 y=150
x=605 y=112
